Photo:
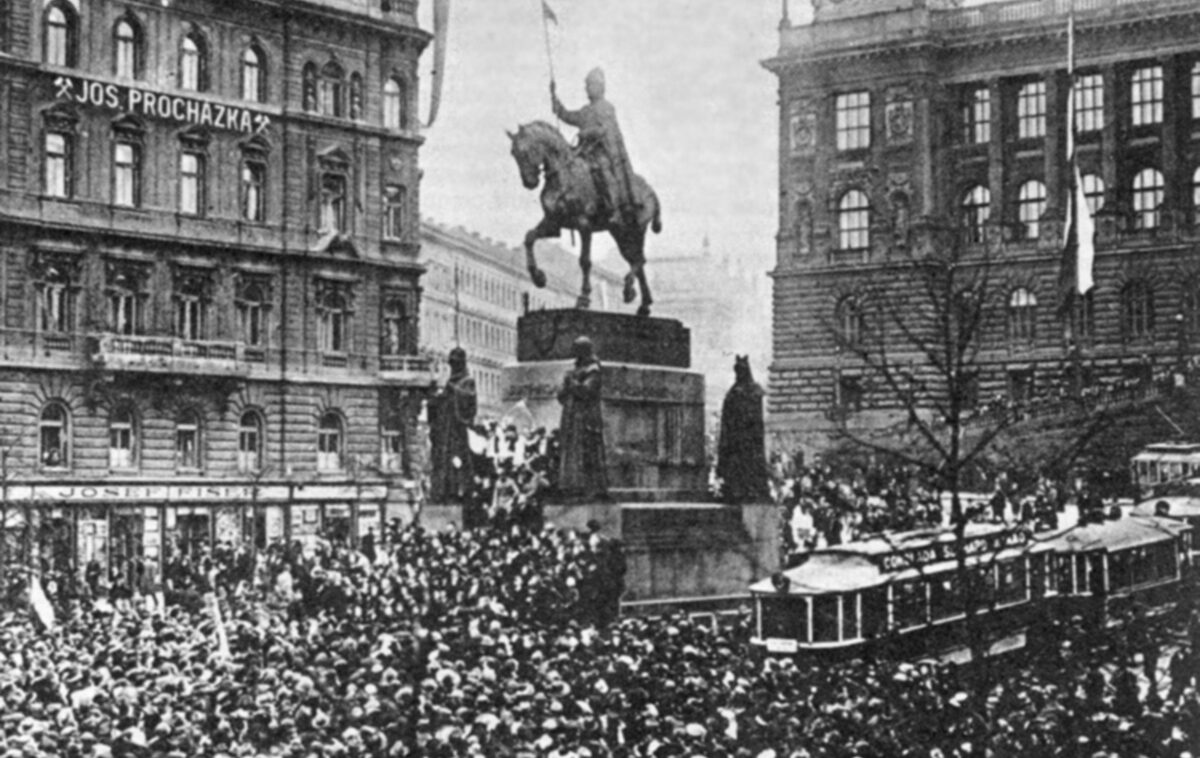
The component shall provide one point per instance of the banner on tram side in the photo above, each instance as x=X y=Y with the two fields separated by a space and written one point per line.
x=137 y=101
x=937 y=552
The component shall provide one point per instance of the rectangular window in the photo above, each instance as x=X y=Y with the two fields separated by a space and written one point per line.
x=1146 y=96
x=393 y=213
x=333 y=203
x=189 y=317
x=125 y=312
x=58 y=165
x=254 y=200
x=392 y=453
x=853 y=120
x=977 y=116
x=126 y=175
x=191 y=183
x=250 y=322
x=55 y=308
x=1089 y=103
x=120 y=445
x=1031 y=111
x=1196 y=91
x=186 y=446
x=850 y=393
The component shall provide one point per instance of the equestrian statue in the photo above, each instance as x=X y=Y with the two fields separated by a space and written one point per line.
x=590 y=188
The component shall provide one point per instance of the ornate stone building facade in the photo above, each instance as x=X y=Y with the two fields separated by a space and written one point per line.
x=484 y=286
x=898 y=117
x=209 y=272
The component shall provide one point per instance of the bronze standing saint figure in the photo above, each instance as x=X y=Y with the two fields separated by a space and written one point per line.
x=603 y=147
x=581 y=468
x=741 y=452
x=451 y=414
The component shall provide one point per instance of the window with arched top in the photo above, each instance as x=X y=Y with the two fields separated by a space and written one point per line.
x=60 y=34
x=127 y=49
x=334 y=320
x=250 y=442
x=976 y=210
x=330 y=442
x=309 y=87
x=193 y=63
x=1147 y=199
x=254 y=75
x=54 y=436
x=187 y=441
x=854 y=221
x=330 y=94
x=1031 y=204
x=395 y=338
x=1022 y=315
x=395 y=112
x=356 y=96
x=122 y=439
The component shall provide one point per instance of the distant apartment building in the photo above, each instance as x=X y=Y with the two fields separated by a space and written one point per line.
x=474 y=289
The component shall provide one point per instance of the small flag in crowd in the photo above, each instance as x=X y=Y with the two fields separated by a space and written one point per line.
x=548 y=13
x=41 y=604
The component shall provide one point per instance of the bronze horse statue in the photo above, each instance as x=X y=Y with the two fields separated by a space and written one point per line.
x=570 y=200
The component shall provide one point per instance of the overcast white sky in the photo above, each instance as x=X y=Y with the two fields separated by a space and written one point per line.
x=697 y=109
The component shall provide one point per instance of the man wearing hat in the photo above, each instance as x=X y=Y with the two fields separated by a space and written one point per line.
x=603 y=147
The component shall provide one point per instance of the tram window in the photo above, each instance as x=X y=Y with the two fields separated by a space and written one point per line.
x=1144 y=568
x=908 y=604
x=786 y=618
x=1081 y=575
x=1037 y=576
x=874 y=612
x=825 y=618
x=1164 y=561
x=1010 y=581
x=850 y=621
x=945 y=601
x=1063 y=568
x=1096 y=577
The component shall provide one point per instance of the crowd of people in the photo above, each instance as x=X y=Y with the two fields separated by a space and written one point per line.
x=824 y=507
x=488 y=643
x=505 y=639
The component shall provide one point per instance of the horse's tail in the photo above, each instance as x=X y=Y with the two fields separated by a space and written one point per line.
x=656 y=222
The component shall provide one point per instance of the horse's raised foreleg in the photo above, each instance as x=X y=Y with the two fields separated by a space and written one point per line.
x=545 y=228
x=585 y=267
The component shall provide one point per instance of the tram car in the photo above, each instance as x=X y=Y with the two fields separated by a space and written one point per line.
x=904 y=593
x=1182 y=507
x=905 y=590
x=1111 y=568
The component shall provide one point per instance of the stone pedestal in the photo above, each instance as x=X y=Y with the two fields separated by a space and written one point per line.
x=678 y=544
x=653 y=406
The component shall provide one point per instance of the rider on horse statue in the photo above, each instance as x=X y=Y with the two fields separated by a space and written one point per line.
x=601 y=145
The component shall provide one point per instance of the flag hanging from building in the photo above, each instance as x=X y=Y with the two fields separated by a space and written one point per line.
x=1079 y=234
x=441 y=29
x=548 y=13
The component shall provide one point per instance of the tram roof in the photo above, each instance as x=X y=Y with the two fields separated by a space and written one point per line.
x=1119 y=534
x=1180 y=506
x=863 y=564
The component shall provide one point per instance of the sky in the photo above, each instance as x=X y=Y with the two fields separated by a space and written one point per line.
x=697 y=110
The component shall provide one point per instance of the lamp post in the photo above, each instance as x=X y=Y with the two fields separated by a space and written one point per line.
x=1181 y=348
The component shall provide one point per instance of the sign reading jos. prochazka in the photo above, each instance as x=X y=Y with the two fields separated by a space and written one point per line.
x=143 y=102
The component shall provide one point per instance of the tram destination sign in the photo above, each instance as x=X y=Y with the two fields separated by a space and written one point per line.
x=137 y=101
x=935 y=552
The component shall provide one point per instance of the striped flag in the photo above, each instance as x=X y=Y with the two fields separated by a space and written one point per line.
x=548 y=13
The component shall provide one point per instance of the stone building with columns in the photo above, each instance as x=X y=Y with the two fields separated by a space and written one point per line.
x=900 y=117
x=209 y=237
